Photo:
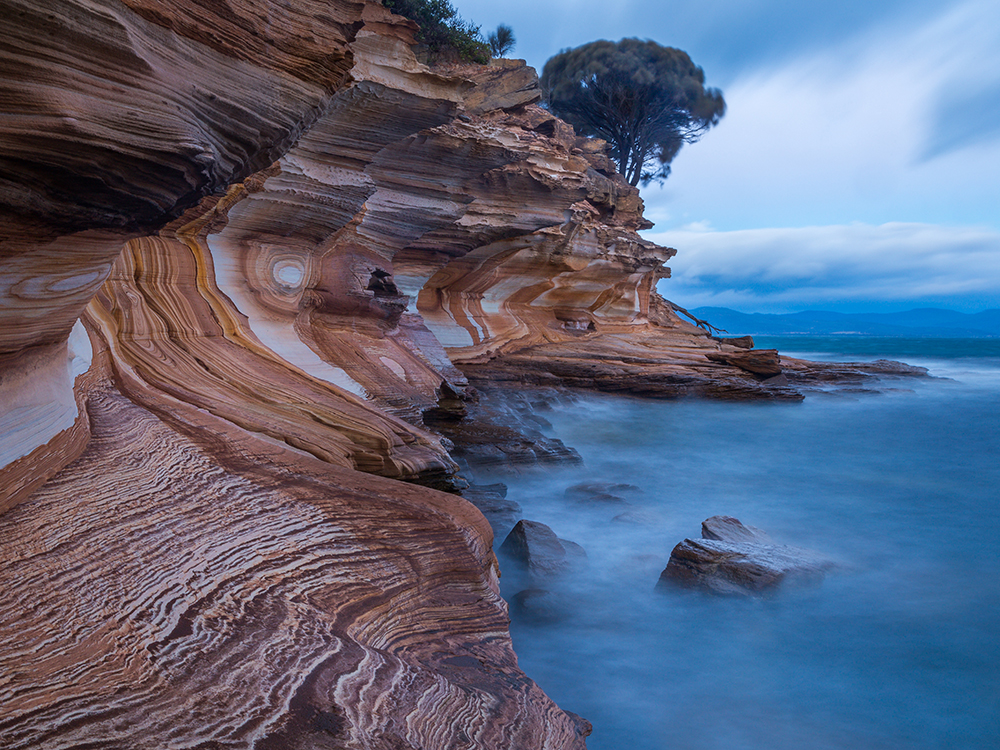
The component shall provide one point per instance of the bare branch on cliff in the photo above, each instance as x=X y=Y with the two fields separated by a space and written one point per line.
x=712 y=330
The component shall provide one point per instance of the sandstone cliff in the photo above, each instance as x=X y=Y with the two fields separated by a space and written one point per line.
x=246 y=247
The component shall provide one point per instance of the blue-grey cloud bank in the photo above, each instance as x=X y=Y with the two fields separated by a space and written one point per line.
x=858 y=165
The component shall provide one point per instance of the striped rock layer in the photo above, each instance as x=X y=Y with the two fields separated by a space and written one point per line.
x=245 y=247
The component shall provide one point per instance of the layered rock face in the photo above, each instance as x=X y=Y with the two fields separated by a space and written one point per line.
x=192 y=555
x=115 y=120
x=248 y=252
x=191 y=588
x=566 y=295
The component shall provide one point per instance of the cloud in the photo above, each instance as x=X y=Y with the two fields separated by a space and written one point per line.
x=965 y=117
x=891 y=125
x=845 y=267
x=859 y=156
x=724 y=36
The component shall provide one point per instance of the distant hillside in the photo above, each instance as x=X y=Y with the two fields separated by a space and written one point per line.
x=928 y=322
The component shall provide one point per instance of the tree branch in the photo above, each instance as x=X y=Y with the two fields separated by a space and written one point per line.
x=697 y=321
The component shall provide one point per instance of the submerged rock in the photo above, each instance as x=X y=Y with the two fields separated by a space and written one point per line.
x=601 y=493
x=866 y=376
x=595 y=489
x=534 y=548
x=640 y=518
x=639 y=567
x=733 y=559
x=541 y=606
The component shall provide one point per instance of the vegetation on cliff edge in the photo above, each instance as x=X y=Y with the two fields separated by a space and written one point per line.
x=444 y=32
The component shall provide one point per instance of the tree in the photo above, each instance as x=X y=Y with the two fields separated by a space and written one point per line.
x=644 y=99
x=501 y=41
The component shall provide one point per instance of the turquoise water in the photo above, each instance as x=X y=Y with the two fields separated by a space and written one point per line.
x=900 y=648
x=940 y=351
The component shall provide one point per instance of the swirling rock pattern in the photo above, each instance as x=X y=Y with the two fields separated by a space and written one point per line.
x=174 y=333
x=249 y=251
x=117 y=117
x=161 y=102
x=194 y=590
x=192 y=554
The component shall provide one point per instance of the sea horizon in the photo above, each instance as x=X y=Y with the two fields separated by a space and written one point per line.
x=914 y=322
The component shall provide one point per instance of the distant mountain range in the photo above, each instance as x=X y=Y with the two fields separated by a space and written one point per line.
x=927 y=322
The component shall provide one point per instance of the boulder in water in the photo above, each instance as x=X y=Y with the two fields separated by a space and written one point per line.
x=535 y=548
x=729 y=529
x=734 y=559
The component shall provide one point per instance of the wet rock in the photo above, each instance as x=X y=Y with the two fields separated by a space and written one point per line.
x=601 y=493
x=584 y=727
x=450 y=406
x=502 y=433
x=803 y=373
x=892 y=367
x=638 y=518
x=733 y=559
x=535 y=549
x=779 y=380
x=740 y=342
x=765 y=362
x=729 y=529
x=574 y=552
x=491 y=499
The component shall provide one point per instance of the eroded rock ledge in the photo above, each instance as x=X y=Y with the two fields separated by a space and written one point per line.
x=252 y=253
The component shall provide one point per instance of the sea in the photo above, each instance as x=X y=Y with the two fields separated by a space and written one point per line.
x=897 y=648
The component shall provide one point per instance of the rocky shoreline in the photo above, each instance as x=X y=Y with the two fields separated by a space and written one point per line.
x=256 y=263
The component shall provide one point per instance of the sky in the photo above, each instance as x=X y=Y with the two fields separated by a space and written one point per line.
x=857 y=167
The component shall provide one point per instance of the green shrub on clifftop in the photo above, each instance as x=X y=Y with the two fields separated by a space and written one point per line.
x=442 y=29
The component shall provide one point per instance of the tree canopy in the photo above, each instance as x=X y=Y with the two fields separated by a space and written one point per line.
x=644 y=99
x=501 y=41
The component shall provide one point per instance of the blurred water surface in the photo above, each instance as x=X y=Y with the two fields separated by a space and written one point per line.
x=897 y=649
